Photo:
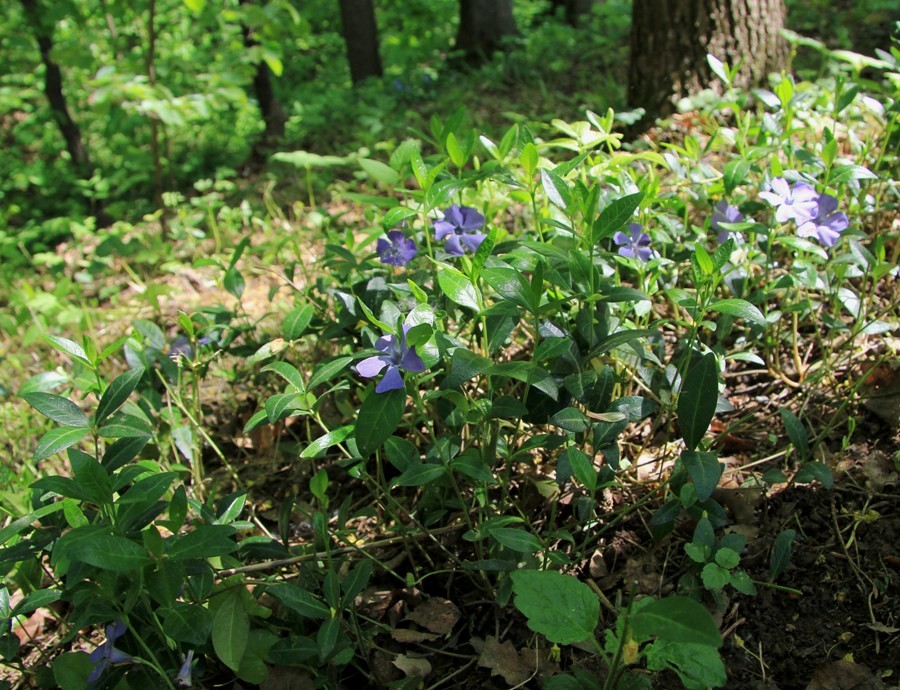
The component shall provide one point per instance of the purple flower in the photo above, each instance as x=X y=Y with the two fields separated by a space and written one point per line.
x=183 y=679
x=827 y=226
x=635 y=244
x=460 y=226
x=107 y=655
x=397 y=355
x=799 y=201
x=396 y=250
x=725 y=213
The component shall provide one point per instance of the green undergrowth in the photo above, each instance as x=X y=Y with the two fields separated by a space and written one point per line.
x=233 y=450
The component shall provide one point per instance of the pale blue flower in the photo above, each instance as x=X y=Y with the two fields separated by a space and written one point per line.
x=635 y=244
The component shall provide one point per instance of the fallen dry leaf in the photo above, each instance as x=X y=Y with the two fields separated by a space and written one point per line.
x=413 y=666
x=287 y=678
x=504 y=660
x=843 y=675
x=406 y=635
x=435 y=614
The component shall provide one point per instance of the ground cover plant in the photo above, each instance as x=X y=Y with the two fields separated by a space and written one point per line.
x=533 y=407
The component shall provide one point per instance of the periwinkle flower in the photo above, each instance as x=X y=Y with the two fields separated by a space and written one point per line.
x=635 y=244
x=798 y=201
x=828 y=225
x=460 y=226
x=107 y=655
x=183 y=679
x=396 y=249
x=397 y=356
x=725 y=213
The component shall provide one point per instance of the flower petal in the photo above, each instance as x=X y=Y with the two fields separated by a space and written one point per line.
x=473 y=240
x=412 y=362
x=442 y=228
x=621 y=238
x=453 y=247
x=392 y=380
x=372 y=366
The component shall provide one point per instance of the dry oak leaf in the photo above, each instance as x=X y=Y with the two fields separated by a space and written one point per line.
x=844 y=675
x=435 y=614
x=407 y=635
x=504 y=660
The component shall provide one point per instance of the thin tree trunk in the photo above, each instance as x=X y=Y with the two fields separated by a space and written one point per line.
x=53 y=88
x=154 y=123
x=483 y=24
x=360 y=30
x=670 y=41
x=270 y=108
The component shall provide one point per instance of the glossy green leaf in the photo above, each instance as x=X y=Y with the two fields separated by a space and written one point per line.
x=705 y=471
x=740 y=308
x=617 y=214
x=380 y=172
x=458 y=288
x=327 y=440
x=378 y=417
x=297 y=321
x=56 y=440
x=676 y=619
x=781 y=553
x=796 y=432
x=231 y=628
x=697 y=400
x=204 y=542
x=61 y=410
x=117 y=393
x=517 y=540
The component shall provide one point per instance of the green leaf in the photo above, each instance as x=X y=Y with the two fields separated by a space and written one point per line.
x=611 y=342
x=293 y=650
x=204 y=542
x=70 y=348
x=91 y=477
x=234 y=282
x=796 y=432
x=124 y=426
x=104 y=551
x=56 y=440
x=296 y=321
x=727 y=558
x=571 y=419
x=556 y=189
x=615 y=216
x=735 y=173
x=511 y=285
x=327 y=370
x=117 y=393
x=61 y=410
x=740 y=308
x=781 y=553
x=699 y=666
x=705 y=471
x=72 y=669
x=397 y=215
x=378 y=417
x=676 y=619
x=458 y=288
x=420 y=475
x=557 y=606
x=697 y=400
x=380 y=172
x=186 y=622
x=457 y=156
x=289 y=373
x=327 y=440
x=529 y=159
x=815 y=470
x=231 y=628
x=582 y=467
x=284 y=405
x=517 y=540
x=465 y=365
x=300 y=601
x=714 y=576
x=35 y=600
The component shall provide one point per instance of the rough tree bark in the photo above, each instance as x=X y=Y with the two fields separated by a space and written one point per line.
x=482 y=26
x=670 y=41
x=360 y=31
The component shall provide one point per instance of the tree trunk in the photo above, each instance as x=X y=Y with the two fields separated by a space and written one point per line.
x=361 y=36
x=482 y=26
x=670 y=41
x=273 y=114
x=53 y=88
x=574 y=9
